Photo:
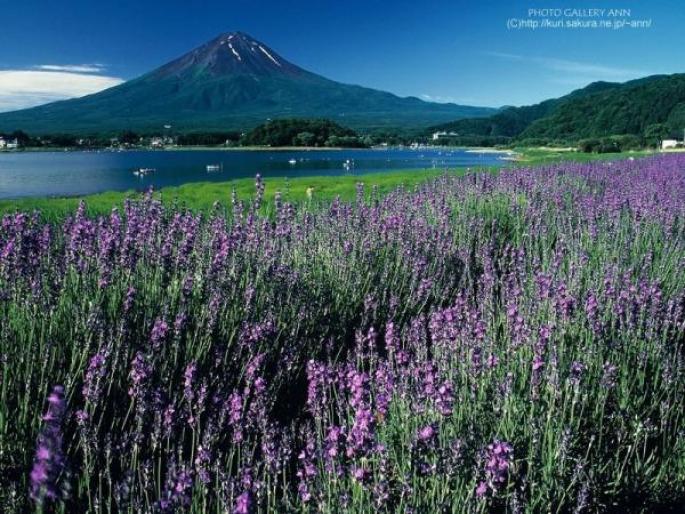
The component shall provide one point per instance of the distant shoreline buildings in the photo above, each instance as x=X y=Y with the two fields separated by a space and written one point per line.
x=9 y=144
x=438 y=135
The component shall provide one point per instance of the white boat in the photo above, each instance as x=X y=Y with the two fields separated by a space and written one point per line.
x=141 y=172
x=293 y=161
x=215 y=167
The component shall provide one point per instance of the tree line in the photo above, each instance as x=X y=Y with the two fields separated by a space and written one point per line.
x=273 y=133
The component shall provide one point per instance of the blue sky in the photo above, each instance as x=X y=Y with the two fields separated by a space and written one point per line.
x=459 y=51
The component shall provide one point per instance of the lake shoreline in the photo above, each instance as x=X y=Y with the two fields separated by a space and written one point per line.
x=466 y=149
x=58 y=174
x=37 y=149
x=203 y=194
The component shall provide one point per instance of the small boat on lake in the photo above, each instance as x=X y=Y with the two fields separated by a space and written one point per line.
x=293 y=161
x=215 y=167
x=141 y=172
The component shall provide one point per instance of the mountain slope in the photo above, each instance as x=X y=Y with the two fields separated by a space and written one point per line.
x=512 y=121
x=629 y=109
x=598 y=110
x=231 y=82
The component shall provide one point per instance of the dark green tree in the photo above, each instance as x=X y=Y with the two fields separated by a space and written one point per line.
x=129 y=137
x=655 y=133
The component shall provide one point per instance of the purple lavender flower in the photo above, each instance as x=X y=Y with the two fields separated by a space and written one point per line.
x=427 y=433
x=609 y=375
x=384 y=386
x=96 y=371
x=307 y=469
x=360 y=474
x=139 y=374
x=176 y=495
x=49 y=466
x=444 y=398
x=159 y=333
x=243 y=504
x=498 y=458
x=576 y=373
x=235 y=416
x=333 y=442
x=360 y=436
x=188 y=379
x=130 y=298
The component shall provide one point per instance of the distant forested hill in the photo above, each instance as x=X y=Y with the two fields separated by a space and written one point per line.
x=302 y=132
x=645 y=108
x=630 y=109
x=512 y=121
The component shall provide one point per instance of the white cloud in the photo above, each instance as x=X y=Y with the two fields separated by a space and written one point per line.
x=460 y=100
x=504 y=55
x=438 y=99
x=27 y=88
x=582 y=72
x=72 y=68
x=593 y=70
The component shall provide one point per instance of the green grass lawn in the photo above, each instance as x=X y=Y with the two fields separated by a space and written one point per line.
x=549 y=155
x=202 y=195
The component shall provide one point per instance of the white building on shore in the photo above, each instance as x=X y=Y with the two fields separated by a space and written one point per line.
x=670 y=143
x=161 y=141
x=8 y=144
x=441 y=134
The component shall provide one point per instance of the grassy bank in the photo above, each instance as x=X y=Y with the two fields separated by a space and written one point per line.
x=544 y=155
x=203 y=195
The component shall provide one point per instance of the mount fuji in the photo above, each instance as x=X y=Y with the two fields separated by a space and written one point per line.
x=231 y=82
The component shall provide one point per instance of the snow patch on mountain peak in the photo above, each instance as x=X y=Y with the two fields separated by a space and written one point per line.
x=269 y=55
x=235 y=52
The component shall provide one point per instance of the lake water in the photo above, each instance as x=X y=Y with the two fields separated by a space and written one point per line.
x=24 y=174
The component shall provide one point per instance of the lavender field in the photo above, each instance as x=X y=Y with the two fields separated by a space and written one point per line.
x=508 y=342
